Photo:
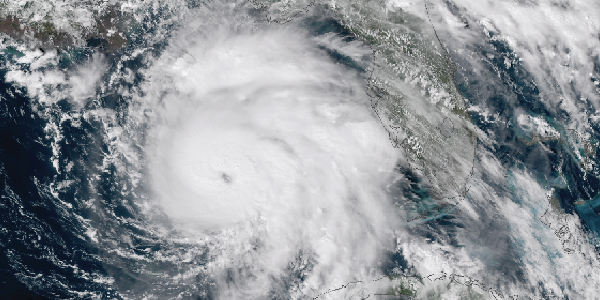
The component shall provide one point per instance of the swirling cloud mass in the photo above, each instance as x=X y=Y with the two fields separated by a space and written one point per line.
x=259 y=129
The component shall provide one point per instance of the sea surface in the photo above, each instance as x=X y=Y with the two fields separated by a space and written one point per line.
x=227 y=149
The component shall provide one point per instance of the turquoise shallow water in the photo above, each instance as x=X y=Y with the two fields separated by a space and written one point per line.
x=74 y=225
x=589 y=213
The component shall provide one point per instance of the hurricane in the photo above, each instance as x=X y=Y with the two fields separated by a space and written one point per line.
x=266 y=149
x=260 y=134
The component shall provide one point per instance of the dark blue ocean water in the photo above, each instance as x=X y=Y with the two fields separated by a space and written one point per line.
x=45 y=252
x=503 y=91
x=38 y=240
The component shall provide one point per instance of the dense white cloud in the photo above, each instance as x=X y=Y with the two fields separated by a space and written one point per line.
x=261 y=138
x=558 y=41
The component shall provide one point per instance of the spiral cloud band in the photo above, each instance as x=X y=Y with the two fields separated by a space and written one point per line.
x=260 y=129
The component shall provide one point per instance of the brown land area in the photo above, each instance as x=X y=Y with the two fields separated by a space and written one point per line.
x=50 y=37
